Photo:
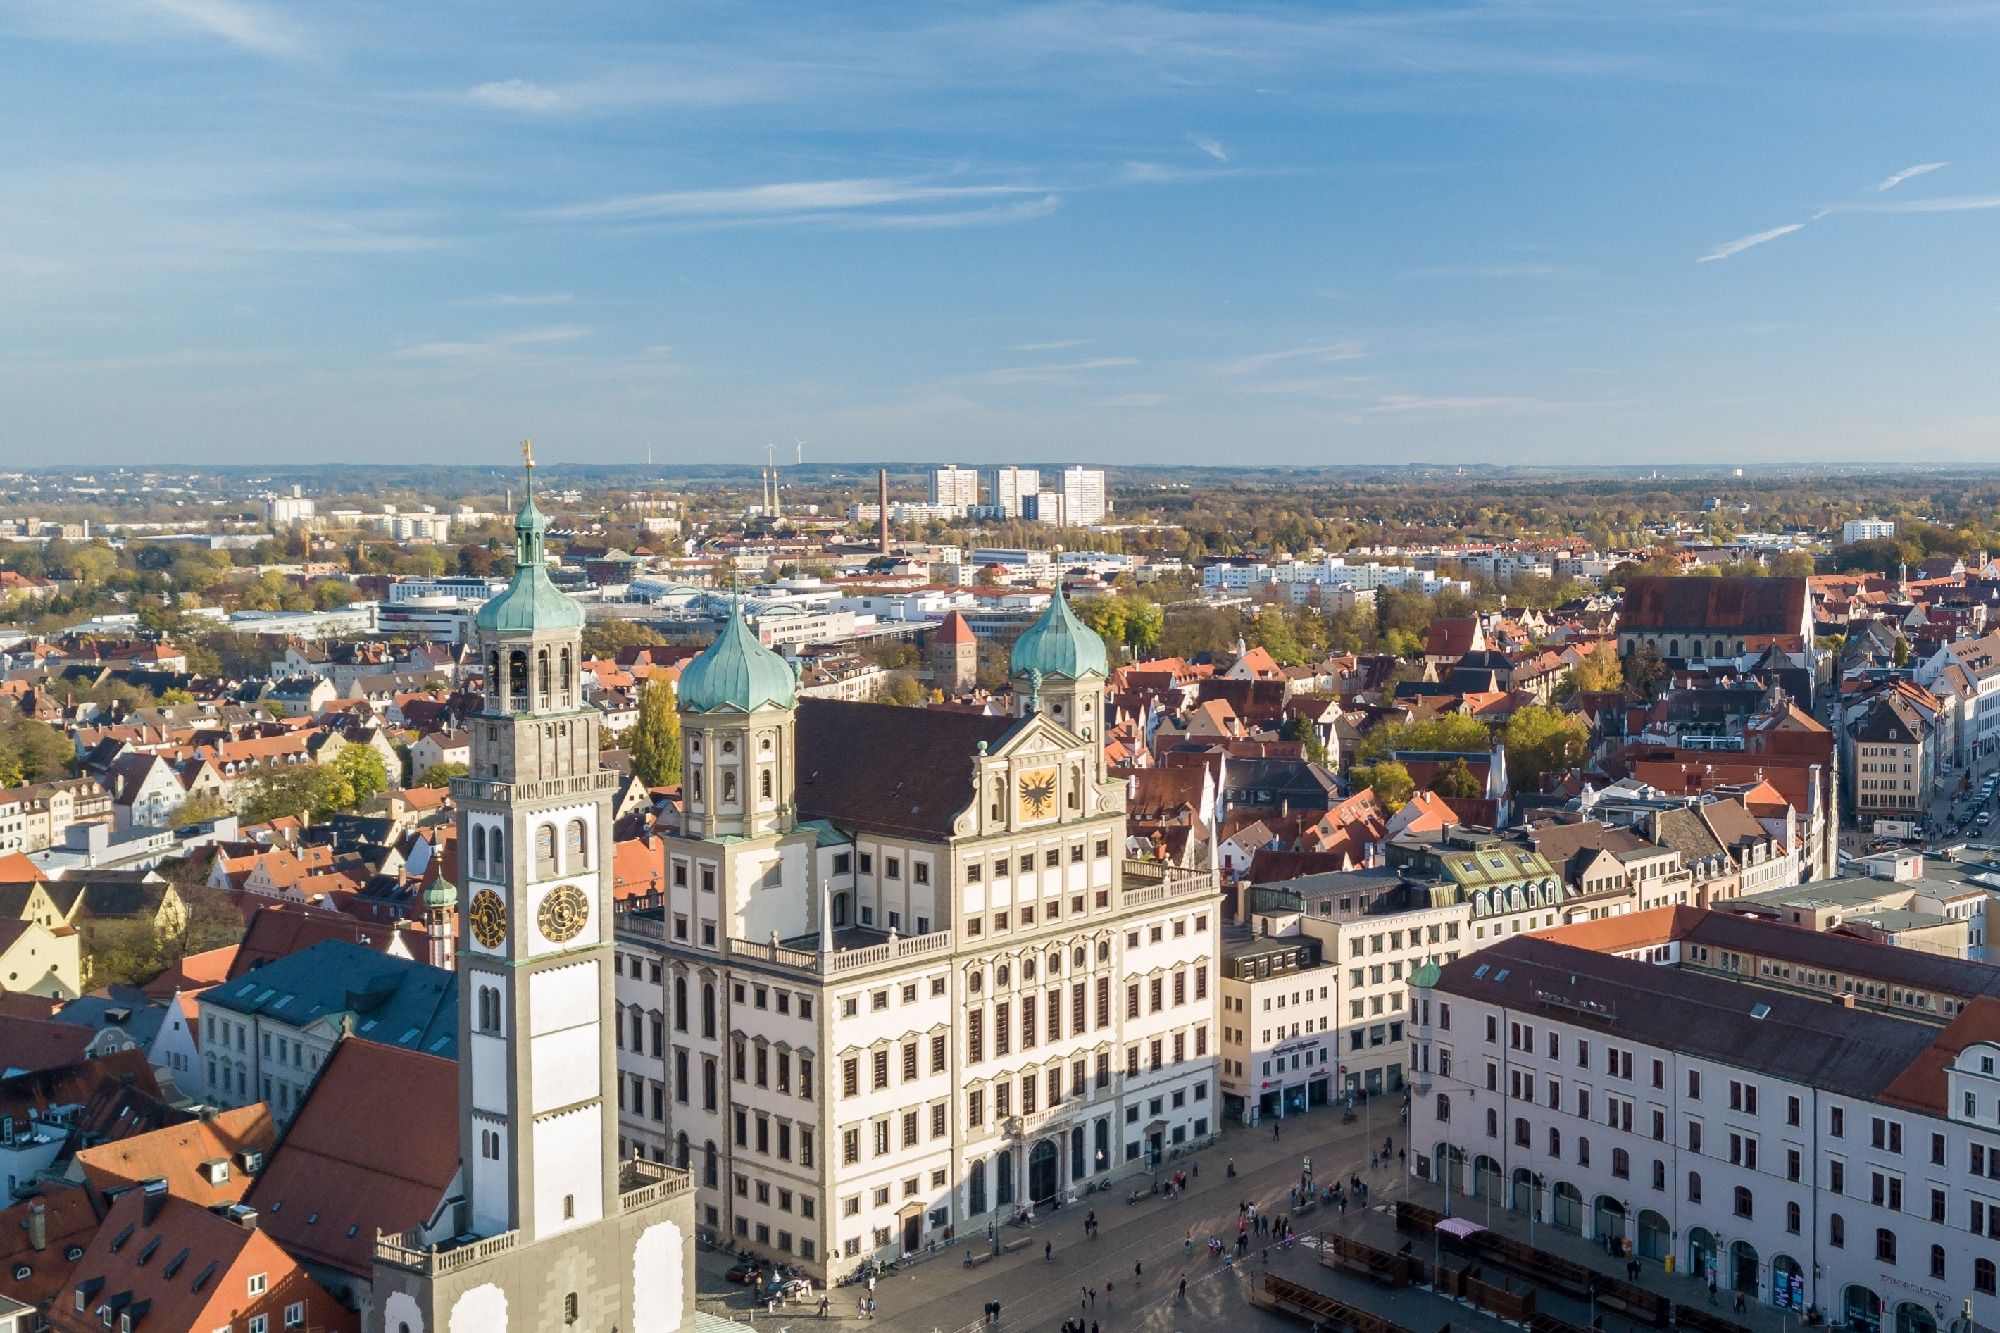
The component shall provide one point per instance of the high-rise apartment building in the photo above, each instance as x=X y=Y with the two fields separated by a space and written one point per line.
x=955 y=488
x=1012 y=488
x=1083 y=500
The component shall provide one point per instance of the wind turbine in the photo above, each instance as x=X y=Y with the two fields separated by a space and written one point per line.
x=801 y=444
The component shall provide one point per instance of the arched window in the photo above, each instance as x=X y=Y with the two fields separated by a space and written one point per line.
x=1836 y=1231
x=1443 y=1109
x=1984 y=1277
x=577 y=850
x=681 y=1150
x=999 y=798
x=545 y=850
x=542 y=670
x=708 y=1009
x=1075 y=788
x=517 y=680
x=728 y=787
x=496 y=849
x=680 y=1004
x=975 y=1201
x=697 y=781
x=1555 y=1142
x=765 y=783
x=569 y=1210
x=567 y=681
x=489 y=1009
x=1694 y=1187
x=1792 y=1218
x=479 y=850
x=1742 y=1202
x=1492 y=1123
x=1885 y=1245
x=708 y=1164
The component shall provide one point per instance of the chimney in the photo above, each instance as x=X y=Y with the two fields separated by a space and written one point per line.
x=38 y=1224
x=882 y=510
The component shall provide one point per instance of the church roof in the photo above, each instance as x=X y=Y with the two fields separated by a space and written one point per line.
x=530 y=602
x=906 y=772
x=737 y=672
x=1058 y=644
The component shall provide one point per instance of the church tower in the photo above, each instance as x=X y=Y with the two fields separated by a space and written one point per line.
x=1059 y=668
x=550 y=1229
x=737 y=731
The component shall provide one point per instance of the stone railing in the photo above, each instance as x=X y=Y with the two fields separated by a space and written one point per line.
x=407 y=1250
x=1152 y=882
x=642 y=1183
x=491 y=789
x=842 y=960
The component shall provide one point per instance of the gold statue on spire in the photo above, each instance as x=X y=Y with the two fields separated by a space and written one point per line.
x=528 y=454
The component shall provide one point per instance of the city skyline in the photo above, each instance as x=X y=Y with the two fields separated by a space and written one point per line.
x=1065 y=232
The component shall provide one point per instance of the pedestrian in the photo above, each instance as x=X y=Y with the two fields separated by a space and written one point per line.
x=1138 y=1270
x=1183 y=1292
x=822 y=1305
x=1187 y=1240
x=1371 y=1161
x=860 y=1307
x=1739 y=1301
x=1093 y=1297
x=1711 y=1290
x=1048 y=1251
x=1093 y=1326
x=1197 y=1169
x=1274 y=1129
x=871 y=1284
x=871 y=1307
x=1083 y=1298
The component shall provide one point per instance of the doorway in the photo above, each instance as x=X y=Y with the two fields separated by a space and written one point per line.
x=913 y=1232
x=1042 y=1172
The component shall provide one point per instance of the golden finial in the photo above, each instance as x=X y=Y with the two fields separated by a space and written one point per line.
x=528 y=454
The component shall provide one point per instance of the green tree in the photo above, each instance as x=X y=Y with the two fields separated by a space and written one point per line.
x=359 y=775
x=1456 y=779
x=278 y=792
x=32 y=751
x=1273 y=632
x=440 y=775
x=605 y=637
x=1543 y=740
x=656 y=736
x=1599 y=670
x=1303 y=731
x=1389 y=780
x=901 y=689
x=198 y=809
x=1452 y=732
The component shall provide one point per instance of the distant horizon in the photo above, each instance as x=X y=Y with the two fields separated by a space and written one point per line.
x=1273 y=231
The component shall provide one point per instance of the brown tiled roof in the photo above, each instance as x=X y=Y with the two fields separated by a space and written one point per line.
x=900 y=771
x=68 y=1219
x=1730 y=605
x=346 y=1171
x=27 y=1043
x=954 y=629
x=176 y=1153
x=1924 y=1085
x=280 y=931
x=1162 y=793
x=1630 y=930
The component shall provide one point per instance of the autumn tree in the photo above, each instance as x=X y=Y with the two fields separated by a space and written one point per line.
x=656 y=736
x=1389 y=780
x=1457 y=779
x=1543 y=740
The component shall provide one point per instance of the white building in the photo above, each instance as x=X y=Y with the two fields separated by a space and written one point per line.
x=1280 y=1027
x=1867 y=529
x=900 y=980
x=1084 y=500
x=1011 y=489
x=1804 y=1152
x=955 y=488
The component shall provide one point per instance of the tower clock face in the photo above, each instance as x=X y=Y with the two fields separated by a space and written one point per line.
x=1037 y=793
x=565 y=912
x=489 y=919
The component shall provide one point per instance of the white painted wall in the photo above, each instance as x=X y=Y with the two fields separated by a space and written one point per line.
x=565 y=1069
x=657 y=1276
x=568 y=1161
x=481 y=1310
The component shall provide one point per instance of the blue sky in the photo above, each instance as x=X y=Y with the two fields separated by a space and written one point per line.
x=1737 y=230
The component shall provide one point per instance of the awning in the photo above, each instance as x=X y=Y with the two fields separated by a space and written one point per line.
x=1459 y=1227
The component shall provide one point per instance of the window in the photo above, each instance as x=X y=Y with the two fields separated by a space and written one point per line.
x=295 y=1314
x=1694 y=1187
x=1885 y=1245
x=1742 y=1202
x=1984 y=1278
x=258 y=1283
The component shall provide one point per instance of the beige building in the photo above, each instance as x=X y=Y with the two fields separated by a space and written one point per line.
x=903 y=982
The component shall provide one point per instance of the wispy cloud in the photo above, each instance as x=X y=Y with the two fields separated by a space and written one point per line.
x=251 y=27
x=1897 y=178
x=517 y=95
x=1026 y=210
x=1321 y=354
x=1413 y=405
x=810 y=200
x=1496 y=271
x=1974 y=203
x=524 y=298
x=497 y=344
x=1054 y=373
x=1210 y=146
x=1131 y=400
x=1060 y=346
x=1738 y=246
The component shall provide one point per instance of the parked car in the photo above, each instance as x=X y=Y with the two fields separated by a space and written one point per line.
x=747 y=1273
x=786 y=1289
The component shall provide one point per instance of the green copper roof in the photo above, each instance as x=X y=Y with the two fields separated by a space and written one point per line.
x=531 y=602
x=1426 y=975
x=441 y=893
x=736 y=671
x=1058 y=644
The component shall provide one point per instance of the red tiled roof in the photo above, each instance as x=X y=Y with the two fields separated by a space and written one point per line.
x=954 y=629
x=1923 y=1085
x=68 y=1218
x=354 y=1169
x=175 y=1154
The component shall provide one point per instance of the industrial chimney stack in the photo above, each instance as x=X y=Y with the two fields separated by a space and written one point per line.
x=882 y=510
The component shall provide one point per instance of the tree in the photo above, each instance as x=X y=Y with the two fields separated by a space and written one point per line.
x=1273 y=632
x=656 y=736
x=1643 y=670
x=1452 y=732
x=278 y=792
x=1899 y=652
x=440 y=775
x=606 y=637
x=1456 y=779
x=1598 y=670
x=32 y=751
x=1794 y=565
x=1389 y=780
x=359 y=775
x=1303 y=731
x=901 y=689
x=1543 y=740
x=198 y=809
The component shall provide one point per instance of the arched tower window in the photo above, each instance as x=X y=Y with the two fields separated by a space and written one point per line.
x=728 y=786
x=577 y=852
x=479 y=849
x=567 y=682
x=545 y=851
x=542 y=670
x=708 y=1009
x=680 y=1004
x=765 y=778
x=496 y=848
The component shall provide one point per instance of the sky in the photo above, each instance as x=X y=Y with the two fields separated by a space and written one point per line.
x=1544 y=231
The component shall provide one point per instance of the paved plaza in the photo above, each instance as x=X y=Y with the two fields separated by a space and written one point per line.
x=940 y=1293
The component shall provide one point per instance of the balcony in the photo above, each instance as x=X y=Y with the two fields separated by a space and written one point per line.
x=856 y=949
x=491 y=789
x=1148 y=882
x=407 y=1250
x=642 y=1184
